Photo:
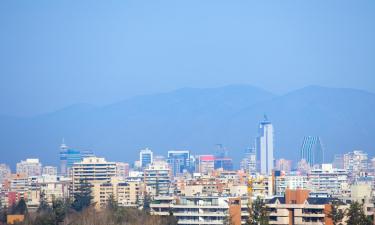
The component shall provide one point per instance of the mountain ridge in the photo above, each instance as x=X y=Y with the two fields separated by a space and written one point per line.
x=197 y=119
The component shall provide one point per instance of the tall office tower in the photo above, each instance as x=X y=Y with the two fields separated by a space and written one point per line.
x=69 y=156
x=179 y=161
x=225 y=163
x=249 y=162
x=50 y=170
x=312 y=151
x=284 y=165
x=5 y=172
x=356 y=162
x=145 y=157
x=157 y=178
x=30 y=167
x=92 y=170
x=205 y=163
x=264 y=146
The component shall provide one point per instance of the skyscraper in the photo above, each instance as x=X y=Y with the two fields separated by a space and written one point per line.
x=312 y=150
x=70 y=156
x=264 y=147
x=145 y=157
x=179 y=161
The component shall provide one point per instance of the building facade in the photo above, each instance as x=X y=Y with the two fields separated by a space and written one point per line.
x=264 y=146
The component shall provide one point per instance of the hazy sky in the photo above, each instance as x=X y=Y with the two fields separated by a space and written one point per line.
x=56 y=53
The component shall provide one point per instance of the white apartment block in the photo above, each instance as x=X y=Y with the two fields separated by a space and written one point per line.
x=92 y=170
x=30 y=167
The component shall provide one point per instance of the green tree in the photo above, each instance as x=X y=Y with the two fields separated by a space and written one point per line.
x=356 y=215
x=258 y=214
x=336 y=214
x=20 y=207
x=3 y=213
x=82 y=197
x=146 y=202
x=43 y=204
x=112 y=204
x=59 y=209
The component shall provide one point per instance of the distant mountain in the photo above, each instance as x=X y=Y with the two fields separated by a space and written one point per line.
x=197 y=119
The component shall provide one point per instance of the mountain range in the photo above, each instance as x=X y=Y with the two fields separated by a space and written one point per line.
x=197 y=119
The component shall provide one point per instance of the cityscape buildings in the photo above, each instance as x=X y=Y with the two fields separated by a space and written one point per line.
x=203 y=189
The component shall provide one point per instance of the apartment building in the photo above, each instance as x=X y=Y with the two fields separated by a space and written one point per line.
x=296 y=207
x=92 y=170
x=200 y=210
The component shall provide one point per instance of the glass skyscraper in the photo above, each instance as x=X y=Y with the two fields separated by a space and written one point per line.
x=145 y=157
x=312 y=150
x=70 y=156
x=179 y=161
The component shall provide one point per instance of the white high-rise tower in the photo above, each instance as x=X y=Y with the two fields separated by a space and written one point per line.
x=264 y=146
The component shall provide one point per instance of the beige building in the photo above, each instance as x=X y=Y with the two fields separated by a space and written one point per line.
x=92 y=170
x=125 y=193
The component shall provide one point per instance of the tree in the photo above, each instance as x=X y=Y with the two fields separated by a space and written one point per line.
x=258 y=214
x=3 y=213
x=336 y=214
x=59 y=209
x=356 y=215
x=20 y=208
x=112 y=204
x=43 y=204
x=146 y=203
x=82 y=197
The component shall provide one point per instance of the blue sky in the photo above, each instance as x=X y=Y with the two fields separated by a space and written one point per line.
x=57 y=53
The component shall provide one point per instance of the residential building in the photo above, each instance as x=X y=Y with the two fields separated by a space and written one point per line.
x=30 y=167
x=249 y=162
x=122 y=169
x=205 y=164
x=157 y=178
x=200 y=210
x=329 y=180
x=5 y=172
x=292 y=182
x=356 y=163
x=92 y=170
x=50 y=170
x=296 y=207
x=338 y=161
